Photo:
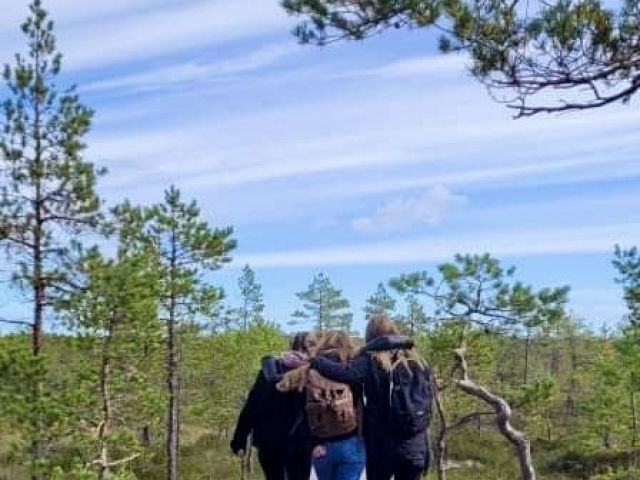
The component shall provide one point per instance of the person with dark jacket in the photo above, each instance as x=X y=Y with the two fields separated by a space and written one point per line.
x=390 y=452
x=276 y=421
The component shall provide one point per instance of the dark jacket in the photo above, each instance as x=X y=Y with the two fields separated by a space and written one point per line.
x=381 y=442
x=274 y=372
x=276 y=420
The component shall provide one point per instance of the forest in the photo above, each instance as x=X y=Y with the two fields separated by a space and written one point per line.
x=149 y=364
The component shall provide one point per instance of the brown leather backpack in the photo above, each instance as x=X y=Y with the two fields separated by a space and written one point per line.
x=330 y=407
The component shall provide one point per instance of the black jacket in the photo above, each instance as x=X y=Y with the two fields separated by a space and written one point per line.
x=380 y=441
x=276 y=420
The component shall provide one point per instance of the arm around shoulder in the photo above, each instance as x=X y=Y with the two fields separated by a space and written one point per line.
x=353 y=372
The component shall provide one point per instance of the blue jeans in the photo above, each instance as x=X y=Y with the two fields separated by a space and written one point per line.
x=344 y=460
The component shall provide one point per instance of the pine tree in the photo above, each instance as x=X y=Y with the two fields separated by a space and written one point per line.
x=476 y=299
x=324 y=305
x=380 y=302
x=114 y=311
x=187 y=248
x=528 y=58
x=416 y=319
x=48 y=195
x=605 y=404
x=252 y=309
x=627 y=262
x=248 y=315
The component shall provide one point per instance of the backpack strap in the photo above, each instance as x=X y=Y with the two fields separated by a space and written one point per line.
x=395 y=361
x=296 y=424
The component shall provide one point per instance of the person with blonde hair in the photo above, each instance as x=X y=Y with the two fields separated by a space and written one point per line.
x=397 y=392
x=331 y=412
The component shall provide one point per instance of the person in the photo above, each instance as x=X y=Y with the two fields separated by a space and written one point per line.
x=332 y=413
x=275 y=420
x=396 y=442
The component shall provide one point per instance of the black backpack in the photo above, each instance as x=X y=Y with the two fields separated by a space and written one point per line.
x=409 y=396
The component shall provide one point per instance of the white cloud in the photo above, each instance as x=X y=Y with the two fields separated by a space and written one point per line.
x=574 y=240
x=67 y=11
x=524 y=168
x=163 y=31
x=429 y=207
x=267 y=146
x=193 y=72
x=416 y=66
x=73 y=14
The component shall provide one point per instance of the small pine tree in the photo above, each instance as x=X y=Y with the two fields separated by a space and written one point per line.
x=324 y=305
x=416 y=319
x=380 y=302
x=252 y=309
x=114 y=311
x=627 y=262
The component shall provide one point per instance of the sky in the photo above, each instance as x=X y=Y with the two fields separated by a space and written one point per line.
x=362 y=160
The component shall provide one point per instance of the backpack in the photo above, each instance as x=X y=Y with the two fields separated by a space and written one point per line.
x=329 y=406
x=409 y=396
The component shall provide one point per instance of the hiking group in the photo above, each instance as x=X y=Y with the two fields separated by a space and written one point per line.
x=329 y=405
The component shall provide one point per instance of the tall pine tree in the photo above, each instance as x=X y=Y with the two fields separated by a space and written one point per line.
x=48 y=194
x=187 y=248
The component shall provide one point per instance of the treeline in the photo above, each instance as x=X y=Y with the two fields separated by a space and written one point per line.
x=104 y=397
x=572 y=388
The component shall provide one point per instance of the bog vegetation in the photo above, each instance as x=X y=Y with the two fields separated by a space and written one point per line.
x=152 y=364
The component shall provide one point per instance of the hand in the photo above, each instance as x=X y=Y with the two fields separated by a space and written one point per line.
x=293 y=360
x=318 y=452
x=237 y=448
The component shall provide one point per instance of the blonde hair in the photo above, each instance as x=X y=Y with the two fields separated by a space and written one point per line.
x=381 y=324
x=336 y=343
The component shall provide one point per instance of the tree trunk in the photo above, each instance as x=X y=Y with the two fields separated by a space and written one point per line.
x=172 y=406
x=502 y=409
x=145 y=436
x=572 y=382
x=441 y=439
x=105 y=424
x=634 y=416
x=173 y=409
x=37 y=283
x=527 y=346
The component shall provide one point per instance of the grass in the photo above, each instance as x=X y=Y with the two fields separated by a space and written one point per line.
x=205 y=456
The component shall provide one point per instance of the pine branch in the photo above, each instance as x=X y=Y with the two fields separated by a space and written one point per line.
x=16 y=322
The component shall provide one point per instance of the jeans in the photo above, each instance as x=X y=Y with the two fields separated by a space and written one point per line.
x=344 y=460
x=292 y=465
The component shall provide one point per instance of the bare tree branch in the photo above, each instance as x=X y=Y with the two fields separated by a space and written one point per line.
x=16 y=322
x=503 y=416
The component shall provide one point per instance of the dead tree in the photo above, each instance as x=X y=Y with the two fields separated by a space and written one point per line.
x=441 y=438
x=502 y=410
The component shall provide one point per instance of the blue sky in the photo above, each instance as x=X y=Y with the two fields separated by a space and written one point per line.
x=363 y=160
